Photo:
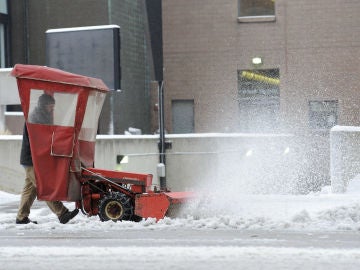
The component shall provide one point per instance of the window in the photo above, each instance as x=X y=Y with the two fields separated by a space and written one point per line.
x=61 y=113
x=93 y=109
x=14 y=108
x=4 y=21
x=256 y=10
x=323 y=114
x=2 y=45
x=183 y=116
x=3 y=7
x=259 y=100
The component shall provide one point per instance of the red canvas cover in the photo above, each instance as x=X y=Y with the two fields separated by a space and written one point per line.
x=56 y=151
x=44 y=73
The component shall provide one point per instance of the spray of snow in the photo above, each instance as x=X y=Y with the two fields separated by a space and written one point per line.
x=317 y=211
x=223 y=205
x=249 y=175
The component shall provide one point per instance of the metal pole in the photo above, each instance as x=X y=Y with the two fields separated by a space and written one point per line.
x=26 y=32
x=162 y=147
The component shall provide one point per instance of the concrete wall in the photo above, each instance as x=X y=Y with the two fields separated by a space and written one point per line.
x=11 y=173
x=344 y=156
x=248 y=163
x=8 y=95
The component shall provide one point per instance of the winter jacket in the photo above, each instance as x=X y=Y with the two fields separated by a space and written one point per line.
x=41 y=116
x=25 y=155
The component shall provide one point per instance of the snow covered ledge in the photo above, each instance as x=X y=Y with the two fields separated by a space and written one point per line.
x=344 y=156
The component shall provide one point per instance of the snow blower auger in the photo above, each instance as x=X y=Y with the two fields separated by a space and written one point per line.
x=63 y=149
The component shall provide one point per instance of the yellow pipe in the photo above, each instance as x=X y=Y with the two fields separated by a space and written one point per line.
x=261 y=78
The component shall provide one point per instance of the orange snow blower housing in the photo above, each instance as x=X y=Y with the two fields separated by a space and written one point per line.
x=63 y=149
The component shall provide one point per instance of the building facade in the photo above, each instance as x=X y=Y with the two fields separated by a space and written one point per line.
x=253 y=66
x=263 y=66
x=27 y=21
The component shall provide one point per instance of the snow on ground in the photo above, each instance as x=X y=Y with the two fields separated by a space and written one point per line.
x=314 y=231
x=318 y=211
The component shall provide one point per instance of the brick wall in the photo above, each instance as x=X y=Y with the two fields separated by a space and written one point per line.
x=314 y=43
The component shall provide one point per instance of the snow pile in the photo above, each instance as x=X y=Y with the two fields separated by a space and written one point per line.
x=354 y=186
x=7 y=197
x=322 y=211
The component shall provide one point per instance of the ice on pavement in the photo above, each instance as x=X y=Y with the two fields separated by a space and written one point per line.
x=315 y=211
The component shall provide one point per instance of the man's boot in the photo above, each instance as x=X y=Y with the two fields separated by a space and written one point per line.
x=64 y=218
x=25 y=220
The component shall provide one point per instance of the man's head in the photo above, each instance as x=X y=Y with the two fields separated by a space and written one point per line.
x=47 y=102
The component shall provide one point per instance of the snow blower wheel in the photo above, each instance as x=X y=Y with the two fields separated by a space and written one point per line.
x=115 y=206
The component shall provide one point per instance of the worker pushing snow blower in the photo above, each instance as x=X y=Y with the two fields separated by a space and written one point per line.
x=63 y=151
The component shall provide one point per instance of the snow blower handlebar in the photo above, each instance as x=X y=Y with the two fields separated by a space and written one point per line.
x=139 y=183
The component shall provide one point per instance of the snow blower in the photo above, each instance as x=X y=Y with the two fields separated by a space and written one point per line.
x=63 y=150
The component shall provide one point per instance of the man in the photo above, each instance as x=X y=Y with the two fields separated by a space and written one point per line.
x=42 y=114
x=44 y=111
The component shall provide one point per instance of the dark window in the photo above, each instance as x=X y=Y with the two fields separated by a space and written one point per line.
x=259 y=100
x=256 y=8
x=13 y=108
x=183 y=116
x=323 y=114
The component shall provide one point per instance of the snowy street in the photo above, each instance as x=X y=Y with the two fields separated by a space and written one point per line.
x=179 y=249
x=319 y=231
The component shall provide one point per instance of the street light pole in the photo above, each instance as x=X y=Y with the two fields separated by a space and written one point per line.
x=162 y=145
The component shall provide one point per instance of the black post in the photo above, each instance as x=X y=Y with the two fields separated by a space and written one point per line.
x=162 y=146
